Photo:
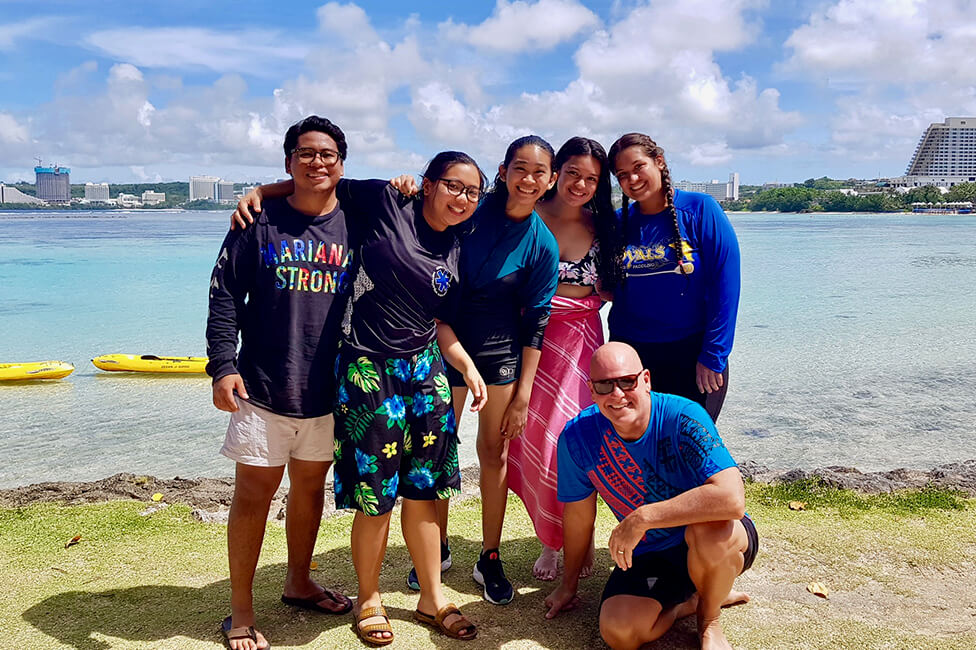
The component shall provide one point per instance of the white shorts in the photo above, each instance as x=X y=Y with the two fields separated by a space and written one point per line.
x=259 y=437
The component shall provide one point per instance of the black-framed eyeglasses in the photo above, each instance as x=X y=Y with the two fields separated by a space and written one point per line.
x=625 y=383
x=456 y=188
x=307 y=155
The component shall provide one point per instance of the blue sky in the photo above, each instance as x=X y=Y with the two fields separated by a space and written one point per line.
x=778 y=90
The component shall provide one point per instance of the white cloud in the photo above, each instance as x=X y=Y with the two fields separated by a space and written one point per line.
x=251 y=51
x=894 y=42
x=896 y=68
x=12 y=32
x=643 y=72
x=12 y=132
x=346 y=22
x=521 y=26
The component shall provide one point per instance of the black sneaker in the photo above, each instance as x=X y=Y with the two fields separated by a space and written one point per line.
x=446 y=563
x=489 y=574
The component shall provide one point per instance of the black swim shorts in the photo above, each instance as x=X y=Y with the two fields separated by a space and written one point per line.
x=663 y=575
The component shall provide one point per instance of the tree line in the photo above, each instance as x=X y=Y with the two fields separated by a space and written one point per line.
x=806 y=198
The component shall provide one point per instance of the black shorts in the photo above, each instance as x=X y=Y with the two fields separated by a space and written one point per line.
x=499 y=362
x=663 y=575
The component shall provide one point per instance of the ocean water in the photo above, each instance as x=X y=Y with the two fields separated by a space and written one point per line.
x=854 y=345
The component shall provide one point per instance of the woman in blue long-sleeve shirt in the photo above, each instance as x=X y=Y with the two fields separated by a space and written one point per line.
x=679 y=295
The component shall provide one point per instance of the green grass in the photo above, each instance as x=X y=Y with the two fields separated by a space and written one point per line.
x=160 y=581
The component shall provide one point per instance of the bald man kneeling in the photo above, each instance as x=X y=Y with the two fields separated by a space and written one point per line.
x=661 y=466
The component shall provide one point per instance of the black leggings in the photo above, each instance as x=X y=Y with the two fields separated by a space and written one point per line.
x=672 y=367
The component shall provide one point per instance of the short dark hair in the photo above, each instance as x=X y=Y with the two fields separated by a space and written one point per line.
x=315 y=123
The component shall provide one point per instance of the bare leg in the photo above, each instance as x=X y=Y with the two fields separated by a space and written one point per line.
x=368 y=541
x=493 y=458
x=715 y=559
x=632 y=621
x=304 y=513
x=458 y=395
x=254 y=487
x=587 y=569
x=421 y=532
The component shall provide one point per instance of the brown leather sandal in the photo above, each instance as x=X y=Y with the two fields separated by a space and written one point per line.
x=462 y=628
x=239 y=633
x=367 y=632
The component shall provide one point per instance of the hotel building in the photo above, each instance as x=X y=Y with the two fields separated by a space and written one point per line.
x=96 y=192
x=945 y=155
x=718 y=191
x=53 y=184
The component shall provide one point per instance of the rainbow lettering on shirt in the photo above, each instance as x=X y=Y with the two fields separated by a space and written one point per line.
x=294 y=264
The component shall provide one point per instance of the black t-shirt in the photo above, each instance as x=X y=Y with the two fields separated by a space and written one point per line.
x=283 y=284
x=404 y=272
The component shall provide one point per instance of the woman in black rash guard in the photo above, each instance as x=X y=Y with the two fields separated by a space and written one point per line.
x=509 y=268
x=395 y=427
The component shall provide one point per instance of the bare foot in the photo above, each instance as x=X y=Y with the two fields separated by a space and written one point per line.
x=690 y=606
x=587 y=569
x=735 y=598
x=547 y=566
x=712 y=636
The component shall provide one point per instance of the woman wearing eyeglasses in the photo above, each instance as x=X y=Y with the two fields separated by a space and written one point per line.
x=678 y=298
x=394 y=423
x=580 y=215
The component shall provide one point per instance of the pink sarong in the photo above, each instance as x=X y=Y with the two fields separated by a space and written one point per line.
x=558 y=395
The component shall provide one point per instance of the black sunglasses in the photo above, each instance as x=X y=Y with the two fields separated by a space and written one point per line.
x=605 y=386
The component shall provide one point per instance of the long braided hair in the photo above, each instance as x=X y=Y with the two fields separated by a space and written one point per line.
x=600 y=206
x=654 y=151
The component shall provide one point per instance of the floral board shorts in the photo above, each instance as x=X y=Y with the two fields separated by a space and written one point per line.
x=395 y=432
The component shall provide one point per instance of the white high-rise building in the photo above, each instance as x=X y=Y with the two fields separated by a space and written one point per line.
x=96 y=192
x=717 y=190
x=149 y=197
x=225 y=191
x=203 y=187
x=945 y=155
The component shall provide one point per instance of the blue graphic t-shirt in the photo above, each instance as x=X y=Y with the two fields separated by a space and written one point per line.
x=679 y=451
x=657 y=304
x=282 y=284
x=405 y=270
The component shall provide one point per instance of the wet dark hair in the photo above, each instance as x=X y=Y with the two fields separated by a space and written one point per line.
x=654 y=151
x=498 y=191
x=315 y=123
x=447 y=159
x=601 y=206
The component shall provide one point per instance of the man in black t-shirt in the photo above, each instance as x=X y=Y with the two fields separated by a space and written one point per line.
x=281 y=284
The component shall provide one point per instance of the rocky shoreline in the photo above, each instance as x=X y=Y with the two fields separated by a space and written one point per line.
x=210 y=497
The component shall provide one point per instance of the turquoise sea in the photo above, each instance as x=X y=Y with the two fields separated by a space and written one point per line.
x=855 y=343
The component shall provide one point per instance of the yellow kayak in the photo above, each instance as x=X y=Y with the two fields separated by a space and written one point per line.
x=150 y=363
x=35 y=370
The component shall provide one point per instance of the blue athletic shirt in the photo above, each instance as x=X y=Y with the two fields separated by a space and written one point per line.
x=679 y=451
x=509 y=271
x=655 y=304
